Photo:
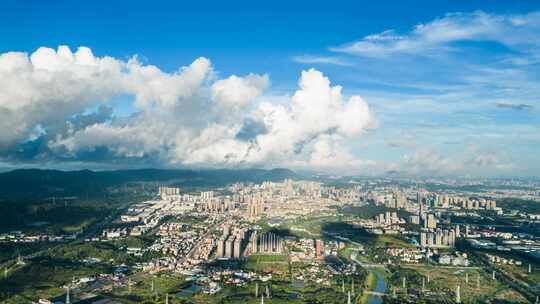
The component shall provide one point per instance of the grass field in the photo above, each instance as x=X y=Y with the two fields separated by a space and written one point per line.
x=521 y=273
x=52 y=217
x=42 y=277
x=282 y=291
x=308 y=227
x=141 y=288
x=12 y=250
x=446 y=279
x=278 y=264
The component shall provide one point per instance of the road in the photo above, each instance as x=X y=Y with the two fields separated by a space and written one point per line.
x=201 y=240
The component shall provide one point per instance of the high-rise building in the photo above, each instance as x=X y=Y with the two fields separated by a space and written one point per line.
x=229 y=247
x=169 y=193
x=421 y=210
x=414 y=219
x=220 y=248
x=256 y=205
x=423 y=239
x=318 y=248
x=439 y=238
x=206 y=195
x=430 y=222
x=270 y=243
x=226 y=230
x=446 y=201
x=253 y=242
x=237 y=248
x=380 y=218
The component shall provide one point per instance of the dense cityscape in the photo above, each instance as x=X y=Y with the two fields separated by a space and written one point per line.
x=269 y=152
x=362 y=241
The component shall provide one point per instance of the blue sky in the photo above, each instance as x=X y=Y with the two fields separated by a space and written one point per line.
x=452 y=86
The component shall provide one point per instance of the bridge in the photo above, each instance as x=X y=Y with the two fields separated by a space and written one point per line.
x=375 y=293
x=367 y=265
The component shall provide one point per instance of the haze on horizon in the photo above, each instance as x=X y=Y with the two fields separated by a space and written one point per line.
x=355 y=88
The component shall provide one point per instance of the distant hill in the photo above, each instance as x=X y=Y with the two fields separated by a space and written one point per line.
x=36 y=183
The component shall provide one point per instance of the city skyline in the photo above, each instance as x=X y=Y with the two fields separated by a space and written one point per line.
x=356 y=88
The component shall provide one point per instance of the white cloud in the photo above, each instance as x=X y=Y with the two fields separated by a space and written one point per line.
x=446 y=78
x=328 y=153
x=309 y=59
x=188 y=117
x=50 y=86
x=150 y=85
x=425 y=161
x=316 y=109
x=237 y=91
x=514 y=31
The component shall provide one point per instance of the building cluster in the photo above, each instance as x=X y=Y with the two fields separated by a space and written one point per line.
x=147 y=215
x=429 y=220
x=115 y=233
x=387 y=218
x=255 y=205
x=217 y=205
x=393 y=199
x=407 y=255
x=177 y=243
x=425 y=218
x=344 y=195
x=21 y=237
x=438 y=238
x=443 y=201
x=268 y=243
x=455 y=259
x=495 y=259
x=231 y=243
x=241 y=243
x=169 y=193
x=289 y=199
x=303 y=250
x=202 y=251
x=210 y=202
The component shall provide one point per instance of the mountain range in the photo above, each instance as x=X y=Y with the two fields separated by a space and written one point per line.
x=37 y=183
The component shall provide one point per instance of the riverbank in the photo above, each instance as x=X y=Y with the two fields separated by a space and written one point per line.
x=374 y=287
x=369 y=285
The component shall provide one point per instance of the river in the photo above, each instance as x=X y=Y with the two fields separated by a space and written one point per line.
x=380 y=286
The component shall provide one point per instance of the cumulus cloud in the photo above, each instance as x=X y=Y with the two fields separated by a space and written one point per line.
x=239 y=91
x=315 y=110
x=50 y=86
x=187 y=117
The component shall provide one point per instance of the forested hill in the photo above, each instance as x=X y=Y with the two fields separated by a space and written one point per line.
x=36 y=183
